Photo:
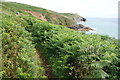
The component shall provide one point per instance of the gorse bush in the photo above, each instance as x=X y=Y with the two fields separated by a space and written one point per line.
x=75 y=54
x=19 y=56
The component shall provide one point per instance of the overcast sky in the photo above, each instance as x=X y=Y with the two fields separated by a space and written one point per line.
x=85 y=8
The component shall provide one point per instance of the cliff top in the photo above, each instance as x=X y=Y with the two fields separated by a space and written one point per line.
x=66 y=19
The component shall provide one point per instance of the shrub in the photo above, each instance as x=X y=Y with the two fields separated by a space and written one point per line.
x=75 y=54
x=19 y=56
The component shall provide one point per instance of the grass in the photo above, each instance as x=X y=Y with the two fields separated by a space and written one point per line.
x=71 y=54
x=61 y=19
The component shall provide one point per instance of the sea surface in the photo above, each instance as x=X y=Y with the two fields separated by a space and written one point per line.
x=104 y=26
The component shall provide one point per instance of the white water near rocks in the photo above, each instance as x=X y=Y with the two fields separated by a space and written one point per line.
x=104 y=26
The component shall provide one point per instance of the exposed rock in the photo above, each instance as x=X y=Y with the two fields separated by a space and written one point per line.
x=83 y=19
x=80 y=27
x=73 y=28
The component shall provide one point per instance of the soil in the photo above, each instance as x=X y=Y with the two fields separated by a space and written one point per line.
x=48 y=69
x=36 y=14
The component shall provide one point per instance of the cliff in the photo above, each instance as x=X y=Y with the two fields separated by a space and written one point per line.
x=69 y=20
x=66 y=19
x=77 y=18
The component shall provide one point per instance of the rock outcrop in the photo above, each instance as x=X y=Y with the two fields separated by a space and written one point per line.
x=80 y=27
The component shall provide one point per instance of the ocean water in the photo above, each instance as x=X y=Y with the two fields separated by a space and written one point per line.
x=104 y=26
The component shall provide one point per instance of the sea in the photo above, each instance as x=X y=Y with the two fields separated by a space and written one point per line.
x=103 y=26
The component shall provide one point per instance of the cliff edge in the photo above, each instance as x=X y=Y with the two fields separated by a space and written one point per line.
x=65 y=19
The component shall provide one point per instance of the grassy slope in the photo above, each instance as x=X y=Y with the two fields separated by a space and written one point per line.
x=60 y=19
x=20 y=59
x=68 y=51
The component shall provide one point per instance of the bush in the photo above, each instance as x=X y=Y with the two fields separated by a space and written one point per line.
x=75 y=54
x=20 y=59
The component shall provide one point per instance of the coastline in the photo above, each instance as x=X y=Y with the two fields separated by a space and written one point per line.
x=103 y=26
x=81 y=27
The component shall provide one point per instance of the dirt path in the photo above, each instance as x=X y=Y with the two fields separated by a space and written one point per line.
x=48 y=69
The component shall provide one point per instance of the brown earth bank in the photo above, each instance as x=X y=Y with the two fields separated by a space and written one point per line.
x=79 y=27
x=57 y=18
x=36 y=14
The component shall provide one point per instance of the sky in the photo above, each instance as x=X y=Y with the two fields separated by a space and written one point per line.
x=85 y=8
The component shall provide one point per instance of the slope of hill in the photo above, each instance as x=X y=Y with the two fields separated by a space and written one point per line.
x=43 y=14
x=28 y=40
x=19 y=56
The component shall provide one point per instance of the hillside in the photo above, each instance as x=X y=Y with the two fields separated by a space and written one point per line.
x=41 y=13
x=36 y=46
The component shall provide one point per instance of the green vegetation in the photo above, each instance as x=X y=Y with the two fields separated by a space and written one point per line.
x=18 y=7
x=49 y=18
x=59 y=19
x=71 y=54
x=19 y=56
x=71 y=15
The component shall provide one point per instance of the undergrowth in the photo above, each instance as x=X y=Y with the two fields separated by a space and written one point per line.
x=75 y=54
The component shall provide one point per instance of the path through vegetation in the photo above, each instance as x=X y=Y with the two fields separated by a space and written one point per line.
x=48 y=69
